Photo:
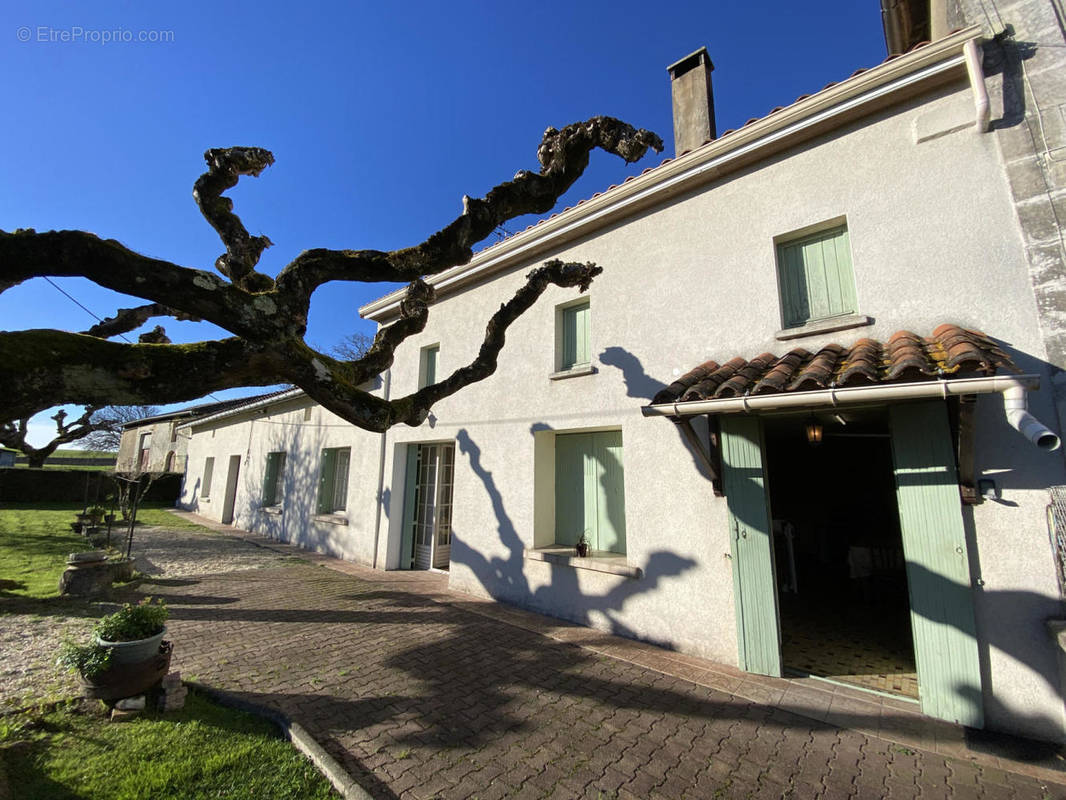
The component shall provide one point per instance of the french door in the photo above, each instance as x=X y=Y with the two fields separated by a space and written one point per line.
x=434 y=469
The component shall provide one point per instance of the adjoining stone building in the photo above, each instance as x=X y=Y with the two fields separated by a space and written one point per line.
x=847 y=310
x=152 y=444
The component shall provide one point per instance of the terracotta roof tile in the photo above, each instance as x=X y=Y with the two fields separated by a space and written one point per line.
x=905 y=357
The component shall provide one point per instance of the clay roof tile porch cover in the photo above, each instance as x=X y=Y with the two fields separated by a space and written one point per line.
x=905 y=357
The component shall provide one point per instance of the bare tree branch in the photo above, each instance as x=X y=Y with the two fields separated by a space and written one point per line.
x=44 y=368
x=128 y=319
x=14 y=435
x=224 y=168
x=108 y=423
x=414 y=408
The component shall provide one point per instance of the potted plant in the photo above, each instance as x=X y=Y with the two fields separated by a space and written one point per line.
x=583 y=545
x=126 y=654
x=134 y=632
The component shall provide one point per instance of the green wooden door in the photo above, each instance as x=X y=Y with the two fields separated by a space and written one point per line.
x=754 y=592
x=410 y=486
x=590 y=490
x=938 y=572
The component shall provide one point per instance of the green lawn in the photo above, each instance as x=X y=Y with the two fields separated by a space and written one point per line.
x=36 y=539
x=34 y=544
x=203 y=751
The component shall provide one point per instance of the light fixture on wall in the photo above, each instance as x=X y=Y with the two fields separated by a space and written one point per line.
x=814 y=431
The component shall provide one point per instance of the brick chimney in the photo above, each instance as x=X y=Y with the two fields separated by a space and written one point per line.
x=693 y=99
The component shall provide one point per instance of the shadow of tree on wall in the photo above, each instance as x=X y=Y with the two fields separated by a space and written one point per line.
x=641 y=386
x=504 y=578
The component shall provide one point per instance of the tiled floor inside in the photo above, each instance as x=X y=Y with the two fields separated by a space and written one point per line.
x=864 y=647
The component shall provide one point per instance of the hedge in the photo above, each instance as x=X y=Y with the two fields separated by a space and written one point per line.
x=20 y=485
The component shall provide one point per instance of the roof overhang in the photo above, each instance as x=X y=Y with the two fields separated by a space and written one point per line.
x=885 y=85
x=244 y=409
x=847 y=396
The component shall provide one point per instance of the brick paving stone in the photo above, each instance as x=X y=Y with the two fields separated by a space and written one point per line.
x=435 y=700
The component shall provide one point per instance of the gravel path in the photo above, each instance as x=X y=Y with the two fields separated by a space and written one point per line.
x=31 y=634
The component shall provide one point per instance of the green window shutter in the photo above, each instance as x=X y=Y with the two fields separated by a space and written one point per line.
x=407 y=536
x=209 y=471
x=279 y=482
x=576 y=323
x=270 y=479
x=427 y=369
x=590 y=490
x=938 y=571
x=609 y=485
x=754 y=587
x=815 y=277
x=340 y=478
x=571 y=501
x=325 y=482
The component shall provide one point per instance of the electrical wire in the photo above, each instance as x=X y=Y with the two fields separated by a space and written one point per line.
x=97 y=317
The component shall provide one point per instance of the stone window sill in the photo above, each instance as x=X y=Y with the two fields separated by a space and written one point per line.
x=597 y=561
x=573 y=372
x=276 y=510
x=824 y=326
x=331 y=519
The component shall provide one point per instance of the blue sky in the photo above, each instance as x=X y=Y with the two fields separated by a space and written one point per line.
x=380 y=115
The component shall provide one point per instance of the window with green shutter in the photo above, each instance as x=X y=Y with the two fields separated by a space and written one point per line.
x=815 y=278
x=333 y=480
x=209 y=470
x=273 y=479
x=575 y=348
x=427 y=365
x=590 y=490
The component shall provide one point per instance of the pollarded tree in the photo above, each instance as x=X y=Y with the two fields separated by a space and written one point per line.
x=268 y=316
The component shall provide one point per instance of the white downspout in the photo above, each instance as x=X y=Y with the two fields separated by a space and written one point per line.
x=386 y=387
x=973 y=54
x=1016 y=405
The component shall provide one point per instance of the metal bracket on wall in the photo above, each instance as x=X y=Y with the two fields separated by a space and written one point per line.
x=965 y=436
x=710 y=457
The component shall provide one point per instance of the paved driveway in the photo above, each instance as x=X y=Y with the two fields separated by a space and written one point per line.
x=421 y=699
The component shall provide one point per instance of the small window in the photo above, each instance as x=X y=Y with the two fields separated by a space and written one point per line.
x=428 y=361
x=307 y=414
x=333 y=482
x=209 y=469
x=573 y=344
x=146 y=450
x=815 y=277
x=274 y=478
x=168 y=465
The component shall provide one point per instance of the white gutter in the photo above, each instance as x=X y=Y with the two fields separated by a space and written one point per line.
x=975 y=71
x=1013 y=389
x=822 y=111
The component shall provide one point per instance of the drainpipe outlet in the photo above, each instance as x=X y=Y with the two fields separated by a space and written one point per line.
x=1017 y=407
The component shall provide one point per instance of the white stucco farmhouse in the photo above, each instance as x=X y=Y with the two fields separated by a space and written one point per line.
x=845 y=313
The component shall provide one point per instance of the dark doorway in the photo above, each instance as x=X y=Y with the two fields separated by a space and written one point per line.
x=838 y=551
